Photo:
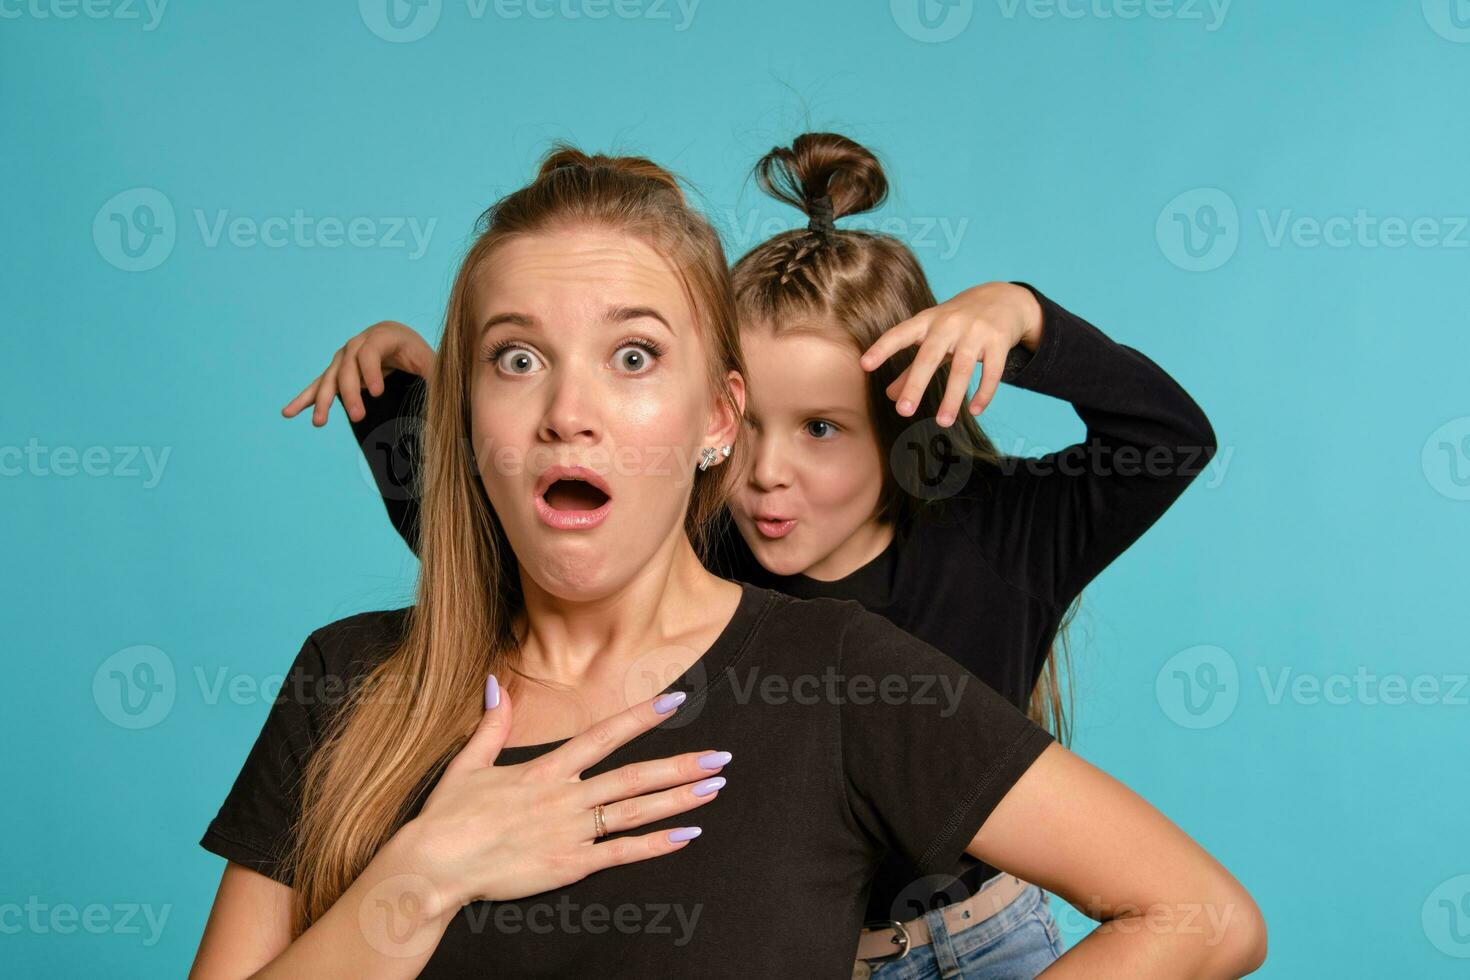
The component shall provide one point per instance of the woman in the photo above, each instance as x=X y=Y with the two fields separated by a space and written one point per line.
x=592 y=321
x=924 y=523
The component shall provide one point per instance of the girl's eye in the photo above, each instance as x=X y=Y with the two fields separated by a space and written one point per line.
x=637 y=356
x=820 y=428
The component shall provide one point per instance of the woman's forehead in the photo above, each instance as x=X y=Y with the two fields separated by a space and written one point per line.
x=581 y=267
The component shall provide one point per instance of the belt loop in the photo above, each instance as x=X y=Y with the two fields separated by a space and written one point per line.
x=944 y=954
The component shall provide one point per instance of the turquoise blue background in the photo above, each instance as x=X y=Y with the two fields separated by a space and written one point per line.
x=1070 y=151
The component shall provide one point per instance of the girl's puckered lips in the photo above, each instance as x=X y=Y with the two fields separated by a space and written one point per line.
x=774 y=525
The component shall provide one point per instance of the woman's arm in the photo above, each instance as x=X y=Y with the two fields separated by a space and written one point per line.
x=485 y=833
x=249 y=929
x=1167 y=908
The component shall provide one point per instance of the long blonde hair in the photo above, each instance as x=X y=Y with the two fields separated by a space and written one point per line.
x=418 y=705
x=863 y=283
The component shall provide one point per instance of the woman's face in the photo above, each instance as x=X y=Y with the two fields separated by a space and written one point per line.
x=589 y=360
x=813 y=467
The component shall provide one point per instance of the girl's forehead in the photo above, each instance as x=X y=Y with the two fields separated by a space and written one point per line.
x=802 y=370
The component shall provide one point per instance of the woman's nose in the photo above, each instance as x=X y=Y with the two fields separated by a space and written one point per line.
x=570 y=413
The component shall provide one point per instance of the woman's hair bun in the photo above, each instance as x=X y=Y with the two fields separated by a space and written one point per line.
x=823 y=165
x=565 y=155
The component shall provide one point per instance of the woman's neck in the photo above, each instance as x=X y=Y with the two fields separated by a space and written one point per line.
x=576 y=642
x=586 y=660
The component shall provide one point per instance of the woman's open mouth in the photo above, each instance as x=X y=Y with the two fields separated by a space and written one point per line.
x=572 y=498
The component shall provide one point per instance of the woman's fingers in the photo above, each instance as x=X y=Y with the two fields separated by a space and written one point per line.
x=485 y=744
x=589 y=748
x=327 y=391
x=307 y=396
x=655 y=774
x=627 y=850
x=653 y=807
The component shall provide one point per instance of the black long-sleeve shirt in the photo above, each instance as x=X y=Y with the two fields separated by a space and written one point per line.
x=984 y=575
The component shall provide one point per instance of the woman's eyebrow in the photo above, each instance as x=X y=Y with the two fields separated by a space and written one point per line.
x=614 y=314
x=621 y=314
x=515 y=319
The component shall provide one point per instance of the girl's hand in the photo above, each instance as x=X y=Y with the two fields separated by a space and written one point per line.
x=361 y=363
x=491 y=832
x=981 y=324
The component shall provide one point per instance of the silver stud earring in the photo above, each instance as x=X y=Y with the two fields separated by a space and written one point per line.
x=708 y=454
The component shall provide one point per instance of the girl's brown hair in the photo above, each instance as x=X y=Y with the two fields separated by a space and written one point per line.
x=859 y=284
x=418 y=706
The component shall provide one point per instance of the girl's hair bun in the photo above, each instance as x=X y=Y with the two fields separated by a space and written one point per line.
x=826 y=175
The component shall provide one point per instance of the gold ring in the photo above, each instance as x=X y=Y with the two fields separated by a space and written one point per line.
x=599 y=825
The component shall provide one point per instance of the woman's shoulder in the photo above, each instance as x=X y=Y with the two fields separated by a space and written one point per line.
x=345 y=649
x=841 y=630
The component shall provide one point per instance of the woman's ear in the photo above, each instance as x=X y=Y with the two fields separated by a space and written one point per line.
x=725 y=424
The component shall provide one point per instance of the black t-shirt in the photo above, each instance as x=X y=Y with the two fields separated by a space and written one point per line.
x=987 y=574
x=850 y=739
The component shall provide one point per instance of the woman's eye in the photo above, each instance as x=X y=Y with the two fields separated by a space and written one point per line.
x=635 y=358
x=820 y=428
x=517 y=360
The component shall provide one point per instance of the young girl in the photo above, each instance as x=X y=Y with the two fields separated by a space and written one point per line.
x=922 y=522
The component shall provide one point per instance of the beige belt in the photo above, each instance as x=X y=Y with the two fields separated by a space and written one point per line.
x=893 y=941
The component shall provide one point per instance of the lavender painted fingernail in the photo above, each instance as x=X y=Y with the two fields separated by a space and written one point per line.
x=492 y=692
x=683 y=834
x=709 y=786
x=713 y=760
x=665 y=703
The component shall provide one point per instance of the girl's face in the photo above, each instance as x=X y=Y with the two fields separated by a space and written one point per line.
x=589 y=402
x=814 y=467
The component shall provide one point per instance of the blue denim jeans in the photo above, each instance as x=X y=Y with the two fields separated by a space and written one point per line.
x=1016 y=943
